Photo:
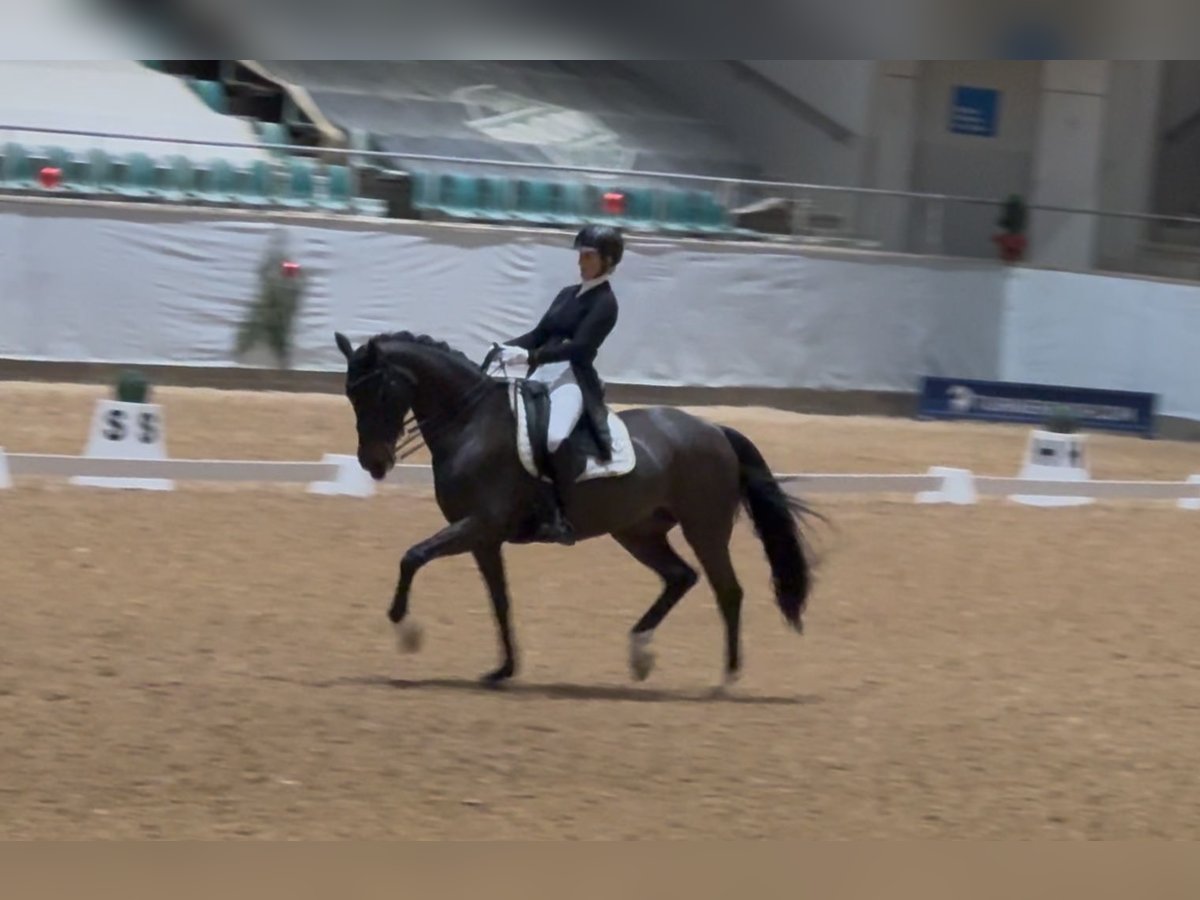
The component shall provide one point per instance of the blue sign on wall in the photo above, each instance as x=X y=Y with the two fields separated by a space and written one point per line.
x=1000 y=401
x=974 y=111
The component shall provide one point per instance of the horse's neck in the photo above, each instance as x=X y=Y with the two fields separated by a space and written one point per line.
x=448 y=395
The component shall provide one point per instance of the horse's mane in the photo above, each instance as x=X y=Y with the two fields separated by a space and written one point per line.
x=424 y=340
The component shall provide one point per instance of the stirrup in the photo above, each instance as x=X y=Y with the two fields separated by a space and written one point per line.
x=556 y=529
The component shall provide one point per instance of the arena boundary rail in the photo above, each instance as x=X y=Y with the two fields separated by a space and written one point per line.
x=339 y=474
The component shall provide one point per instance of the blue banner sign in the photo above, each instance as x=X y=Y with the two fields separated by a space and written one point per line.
x=1001 y=401
x=974 y=111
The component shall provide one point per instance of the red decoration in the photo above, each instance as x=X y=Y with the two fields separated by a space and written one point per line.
x=50 y=176
x=614 y=203
x=1012 y=246
x=290 y=269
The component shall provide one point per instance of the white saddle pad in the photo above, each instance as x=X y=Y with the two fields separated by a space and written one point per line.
x=624 y=456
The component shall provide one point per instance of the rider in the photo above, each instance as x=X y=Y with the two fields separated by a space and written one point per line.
x=560 y=351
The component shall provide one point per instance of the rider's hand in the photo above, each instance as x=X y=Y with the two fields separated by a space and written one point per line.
x=516 y=355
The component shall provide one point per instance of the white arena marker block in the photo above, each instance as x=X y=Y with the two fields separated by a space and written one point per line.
x=5 y=474
x=122 y=430
x=1052 y=456
x=958 y=487
x=348 y=481
x=1191 y=502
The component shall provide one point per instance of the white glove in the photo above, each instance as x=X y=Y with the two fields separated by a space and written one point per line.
x=517 y=356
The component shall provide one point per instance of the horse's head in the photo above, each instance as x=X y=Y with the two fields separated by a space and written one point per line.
x=381 y=392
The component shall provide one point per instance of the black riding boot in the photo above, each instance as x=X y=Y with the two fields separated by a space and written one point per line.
x=557 y=527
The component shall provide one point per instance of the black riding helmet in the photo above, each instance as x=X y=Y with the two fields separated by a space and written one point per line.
x=605 y=240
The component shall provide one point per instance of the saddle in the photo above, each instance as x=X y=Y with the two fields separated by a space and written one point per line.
x=530 y=403
x=533 y=398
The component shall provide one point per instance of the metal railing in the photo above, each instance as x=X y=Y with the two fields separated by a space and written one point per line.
x=898 y=221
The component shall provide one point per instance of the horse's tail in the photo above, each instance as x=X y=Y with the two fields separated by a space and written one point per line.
x=776 y=518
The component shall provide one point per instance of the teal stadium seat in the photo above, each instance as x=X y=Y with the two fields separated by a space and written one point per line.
x=219 y=183
x=301 y=185
x=180 y=180
x=557 y=200
x=100 y=179
x=274 y=133
x=140 y=176
x=458 y=195
x=535 y=202
x=710 y=216
x=573 y=202
x=570 y=203
x=258 y=185
x=212 y=93
x=639 y=209
x=423 y=186
x=593 y=199
x=338 y=195
x=18 y=170
x=681 y=212
x=498 y=199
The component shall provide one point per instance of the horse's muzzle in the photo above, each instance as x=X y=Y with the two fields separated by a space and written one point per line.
x=377 y=461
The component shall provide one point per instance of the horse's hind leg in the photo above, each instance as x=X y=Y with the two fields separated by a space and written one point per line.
x=711 y=543
x=653 y=550
x=491 y=566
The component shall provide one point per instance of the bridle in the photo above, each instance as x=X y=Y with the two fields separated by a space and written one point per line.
x=415 y=433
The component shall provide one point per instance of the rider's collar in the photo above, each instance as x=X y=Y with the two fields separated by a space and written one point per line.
x=586 y=286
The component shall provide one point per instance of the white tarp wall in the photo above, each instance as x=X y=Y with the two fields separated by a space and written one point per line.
x=150 y=286
x=1105 y=331
x=147 y=285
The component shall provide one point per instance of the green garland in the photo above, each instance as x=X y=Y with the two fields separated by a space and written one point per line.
x=271 y=318
x=1015 y=215
x=132 y=387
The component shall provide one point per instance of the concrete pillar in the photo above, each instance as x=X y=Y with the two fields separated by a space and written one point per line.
x=894 y=134
x=1131 y=129
x=1067 y=162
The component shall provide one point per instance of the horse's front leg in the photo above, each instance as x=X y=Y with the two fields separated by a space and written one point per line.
x=462 y=536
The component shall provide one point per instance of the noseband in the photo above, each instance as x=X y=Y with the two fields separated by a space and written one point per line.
x=414 y=432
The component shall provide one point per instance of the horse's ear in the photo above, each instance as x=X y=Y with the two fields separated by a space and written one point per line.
x=344 y=345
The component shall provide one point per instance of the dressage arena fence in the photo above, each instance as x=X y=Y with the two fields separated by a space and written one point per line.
x=341 y=475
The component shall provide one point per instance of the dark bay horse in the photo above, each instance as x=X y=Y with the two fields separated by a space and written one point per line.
x=689 y=473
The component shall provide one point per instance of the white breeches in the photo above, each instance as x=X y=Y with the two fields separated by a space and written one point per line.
x=566 y=407
x=566 y=399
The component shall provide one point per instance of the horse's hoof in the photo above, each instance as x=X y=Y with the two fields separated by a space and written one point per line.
x=641 y=657
x=732 y=677
x=409 y=636
x=501 y=675
x=641 y=664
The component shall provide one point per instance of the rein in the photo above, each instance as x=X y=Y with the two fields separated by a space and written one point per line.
x=412 y=430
